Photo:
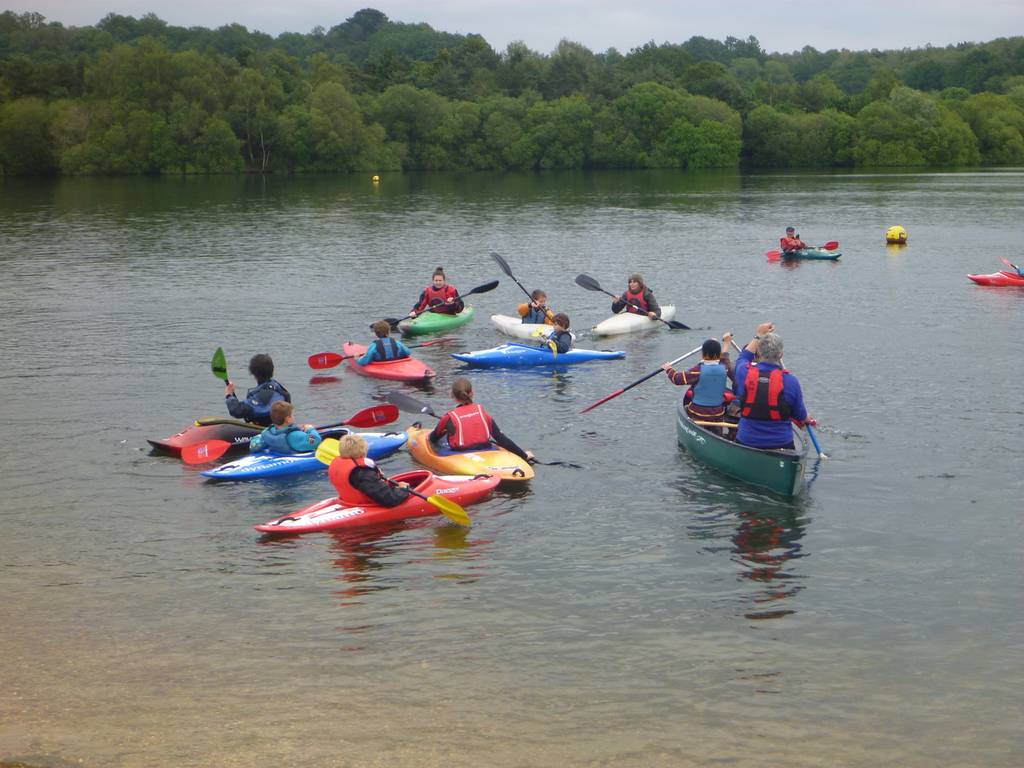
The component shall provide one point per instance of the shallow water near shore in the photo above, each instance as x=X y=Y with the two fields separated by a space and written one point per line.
x=642 y=611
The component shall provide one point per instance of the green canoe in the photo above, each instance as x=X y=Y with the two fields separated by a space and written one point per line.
x=781 y=471
x=812 y=253
x=434 y=322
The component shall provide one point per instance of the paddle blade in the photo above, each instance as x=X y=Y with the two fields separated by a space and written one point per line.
x=393 y=321
x=374 y=416
x=483 y=288
x=201 y=453
x=603 y=400
x=676 y=325
x=773 y=255
x=409 y=404
x=219 y=365
x=451 y=510
x=327 y=451
x=1009 y=263
x=586 y=281
x=323 y=360
x=831 y=245
x=502 y=263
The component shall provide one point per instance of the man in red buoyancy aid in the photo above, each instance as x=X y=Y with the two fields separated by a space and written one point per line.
x=770 y=396
x=469 y=427
x=791 y=242
x=439 y=296
x=638 y=299
x=358 y=481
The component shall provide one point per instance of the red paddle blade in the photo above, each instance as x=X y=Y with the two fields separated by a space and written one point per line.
x=323 y=360
x=831 y=245
x=603 y=400
x=200 y=453
x=773 y=255
x=374 y=416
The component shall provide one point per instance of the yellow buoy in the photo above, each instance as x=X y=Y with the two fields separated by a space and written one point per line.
x=896 y=235
x=375 y=179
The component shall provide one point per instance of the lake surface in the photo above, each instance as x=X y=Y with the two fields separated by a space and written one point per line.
x=643 y=611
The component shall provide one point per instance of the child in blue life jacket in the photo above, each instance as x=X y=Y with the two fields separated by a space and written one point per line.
x=284 y=435
x=707 y=398
x=383 y=347
x=560 y=340
x=536 y=312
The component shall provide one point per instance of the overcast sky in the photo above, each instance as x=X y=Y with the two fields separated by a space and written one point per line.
x=780 y=25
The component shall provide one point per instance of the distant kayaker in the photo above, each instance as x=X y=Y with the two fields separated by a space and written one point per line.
x=284 y=435
x=256 y=406
x=469 y=427
x=560 y=340
x=791 y=242
x=383 y=347
x=439 y=295
x=536 y=311
x=638 y=299
x=769 y=395
x=708 y=380
x=358 y=480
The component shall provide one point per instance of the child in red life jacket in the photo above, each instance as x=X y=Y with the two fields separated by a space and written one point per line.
x=439 y=296
x=638 y=299
x=383 y=347
x=707 y=397
x=469 y=427
x=357 y=479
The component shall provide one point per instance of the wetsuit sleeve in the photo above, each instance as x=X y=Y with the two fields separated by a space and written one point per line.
x=618 y=305
x=256 y=444
x=505 y=441
x=421 y=302
x=730 y=367
x=458 y=304
x=681 y=378
x=652 y=303
x=369 y=356
x=238 y=408
x=403 y=351
x=301 y=442
x=369 y=482
x=444 y=427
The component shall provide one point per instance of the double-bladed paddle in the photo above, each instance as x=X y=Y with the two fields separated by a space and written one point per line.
x=327 y=452
x=641 y=380
x=412 y=405
x=393 y=321
x=323 y=360
x=508 y=271
x=211 y=450
x=1009 y=263
x=831 y=245
x=586 y=281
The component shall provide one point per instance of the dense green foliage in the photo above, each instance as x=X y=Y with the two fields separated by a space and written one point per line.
x=130 y=96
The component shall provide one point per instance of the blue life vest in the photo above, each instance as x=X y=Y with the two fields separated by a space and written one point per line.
x=387 y=349
x=534 y=315
x=710 y=388
x=276 y=440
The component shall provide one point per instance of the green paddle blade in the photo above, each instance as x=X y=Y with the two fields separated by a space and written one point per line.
x=451 y=510
x=219 y=365
x=327 y=451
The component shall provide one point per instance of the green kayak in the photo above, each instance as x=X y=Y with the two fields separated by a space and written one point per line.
x=435 y=322
x=813 y=253
x=781 y=471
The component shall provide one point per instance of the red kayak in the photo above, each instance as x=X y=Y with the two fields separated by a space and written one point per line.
x=406 y=369
x=229 y=430
x=330 y=514
x=998 y=278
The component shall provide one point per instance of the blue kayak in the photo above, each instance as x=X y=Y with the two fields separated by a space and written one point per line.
x=514 y=355
x=267 y=464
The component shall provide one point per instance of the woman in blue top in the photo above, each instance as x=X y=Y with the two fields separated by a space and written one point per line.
x=284 y=435
x=770 y=396
x=383 y=347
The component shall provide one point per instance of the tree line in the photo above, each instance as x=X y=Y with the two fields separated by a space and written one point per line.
x=139 y=96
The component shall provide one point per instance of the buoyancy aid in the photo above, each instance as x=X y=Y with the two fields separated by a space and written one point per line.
x=636 y=299
x=276 y=440
x=387 y=349
x=535 y=315
x=260 y=395
x=340 y=473
x=472 y=426
x=710 y=387
x=433 y=296
x=762 y=398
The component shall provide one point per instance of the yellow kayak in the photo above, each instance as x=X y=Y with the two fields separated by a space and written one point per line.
x=446 y=461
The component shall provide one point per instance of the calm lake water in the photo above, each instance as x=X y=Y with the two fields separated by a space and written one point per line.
x=643 y=611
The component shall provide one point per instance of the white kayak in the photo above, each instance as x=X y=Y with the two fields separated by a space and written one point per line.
x=628 y=322
x=517 y=329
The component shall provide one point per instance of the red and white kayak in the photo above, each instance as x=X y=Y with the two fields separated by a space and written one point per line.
x=201 y=430
x=998 y=278
x=406 y=369
x=331 y=514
